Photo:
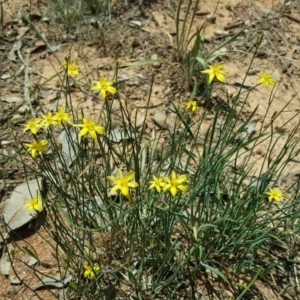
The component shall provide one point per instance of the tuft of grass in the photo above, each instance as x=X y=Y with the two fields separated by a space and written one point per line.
x=190 y=50
x=206 y=214
x=72 y=13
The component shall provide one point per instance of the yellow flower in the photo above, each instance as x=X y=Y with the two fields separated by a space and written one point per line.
x=103 y=86
x=71 y=67
x=62 y=115
x=48 y=120
x=156 y=183
x=123 y=183
x=90 y=271
x=192 y=105
x=275 y=194
x=266 y=79
x=36 y=146
x=216 y=70
x=89 y=126
x=35 y=203
x=33 y=125
x=174 y=183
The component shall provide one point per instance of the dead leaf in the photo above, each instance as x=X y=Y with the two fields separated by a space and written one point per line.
x=21 y=32
x=68 y=145
x=33 y=261
x=55 y=48
x=117 y=135
x=250 y=128
x=12 y=99
x=45 y=93
x=266 y=292
x=56 y=281
x=135 y=23
x=12 y=53
x=244 y=134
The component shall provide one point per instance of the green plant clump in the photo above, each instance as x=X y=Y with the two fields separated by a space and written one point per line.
x=137 y=215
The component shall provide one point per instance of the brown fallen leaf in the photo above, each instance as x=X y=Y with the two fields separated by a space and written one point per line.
x=22 y=31
x=266 y=292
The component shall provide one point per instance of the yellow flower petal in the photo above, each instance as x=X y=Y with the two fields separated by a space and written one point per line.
x=36 y=147
x=125 y=191
x=71 y=67
x=83 y=132
x=217 y=71
x=275 y=194
x=103 y=86
x=173 y=191
x=103 y=93
x=35 y=203
x=89 y=126
x=133 y=184
x=174 y=183
x=266 y=79
x=123 y=183
x=181 y=179
x=93 y=134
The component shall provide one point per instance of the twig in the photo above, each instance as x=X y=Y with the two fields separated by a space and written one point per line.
x=26 y=81
x=292 y=18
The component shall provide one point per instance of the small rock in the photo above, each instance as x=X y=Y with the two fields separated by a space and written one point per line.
x=33 y=261
x=156 y=64
x=259 y=152
x=141 y=76
x=131 y=83
x=5 y=264
x=162 y=120
x=14 y=212
x=211 y=18
x=277 y=75
x=13 y=279
x=23 y=109
x=140 y=122
x=286 y=62
x=43 y=55
x=135 y=23
x=221 y=32
x=206 y=38
x=5 y=76
x=174 y=108
x=253 y=71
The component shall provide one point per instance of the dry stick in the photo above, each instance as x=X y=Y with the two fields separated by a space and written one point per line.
x=26 y=85
x=272 y=45
x=26 y=81
x=296 y=277
x=292 y=18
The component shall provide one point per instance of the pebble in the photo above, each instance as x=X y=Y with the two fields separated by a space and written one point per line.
x=162 y=120
x=156 y=64
x=277 y=75
x=211 y=18
x=23 y=109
